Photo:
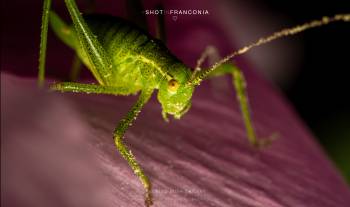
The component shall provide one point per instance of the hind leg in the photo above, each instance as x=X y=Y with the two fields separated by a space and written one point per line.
x=43 y=41
x=77 y=63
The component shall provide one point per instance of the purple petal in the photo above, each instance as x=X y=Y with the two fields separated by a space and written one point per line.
x=57 y=150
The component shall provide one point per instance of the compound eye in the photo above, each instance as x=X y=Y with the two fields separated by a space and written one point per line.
x=173 y=85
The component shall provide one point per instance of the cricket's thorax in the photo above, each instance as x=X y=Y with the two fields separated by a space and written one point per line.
x=138 y=59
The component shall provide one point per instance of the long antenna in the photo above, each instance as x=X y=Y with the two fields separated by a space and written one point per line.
x=282 y=33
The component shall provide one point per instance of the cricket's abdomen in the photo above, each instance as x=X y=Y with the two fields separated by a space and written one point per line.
x=132 y=51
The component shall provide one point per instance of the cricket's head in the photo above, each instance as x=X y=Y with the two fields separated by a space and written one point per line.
x=175 y=93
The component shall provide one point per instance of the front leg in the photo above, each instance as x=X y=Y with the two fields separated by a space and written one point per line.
x=239 y=83
x=122 y=126
x=123 y=149
x=211 y=53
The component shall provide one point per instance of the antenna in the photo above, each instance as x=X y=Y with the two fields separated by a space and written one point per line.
x=282 y=33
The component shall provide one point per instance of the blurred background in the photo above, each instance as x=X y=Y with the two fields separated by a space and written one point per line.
x=319 y=84
x=310 y=68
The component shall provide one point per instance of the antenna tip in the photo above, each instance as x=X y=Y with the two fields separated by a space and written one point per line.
x=344 y=17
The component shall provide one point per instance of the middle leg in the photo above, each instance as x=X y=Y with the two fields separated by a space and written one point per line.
x=90 y=88
x=123 y=149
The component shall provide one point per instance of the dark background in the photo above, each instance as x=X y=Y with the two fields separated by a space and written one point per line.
x=320 y=91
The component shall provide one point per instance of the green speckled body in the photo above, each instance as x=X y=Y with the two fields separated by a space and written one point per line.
x=133 y=53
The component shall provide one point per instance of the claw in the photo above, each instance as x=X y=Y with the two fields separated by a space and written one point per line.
x=148 y=198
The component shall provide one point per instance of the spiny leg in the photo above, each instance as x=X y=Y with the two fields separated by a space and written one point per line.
x=62 y=31
x=43 y=41
x=125 y=152
x=90 y=88
x=77 y=63
x=242 y=97
x=101 y=64
x=239 y=83
x=122 y=126
x=68 y=36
